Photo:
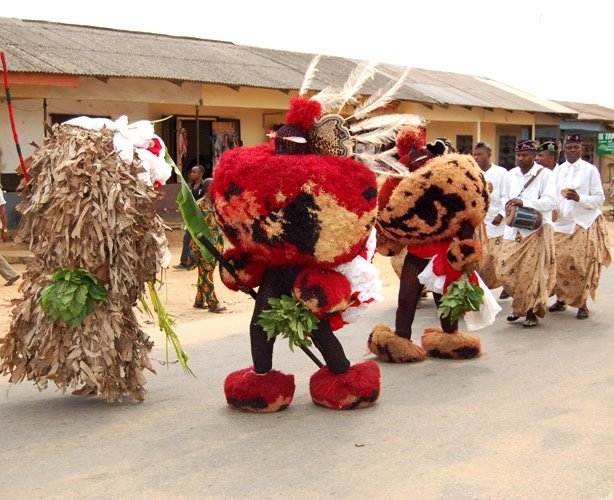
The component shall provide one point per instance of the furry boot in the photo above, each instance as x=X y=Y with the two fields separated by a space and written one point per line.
x=388 y=346
x=458 y=345
x=267 y=393
x=357 y=388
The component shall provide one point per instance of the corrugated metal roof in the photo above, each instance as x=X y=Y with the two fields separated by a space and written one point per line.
x=590 y=112
x=45 y=47
x=335 y=70
x=466 y=90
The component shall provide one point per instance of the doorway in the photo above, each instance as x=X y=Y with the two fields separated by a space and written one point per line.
x=193 y=145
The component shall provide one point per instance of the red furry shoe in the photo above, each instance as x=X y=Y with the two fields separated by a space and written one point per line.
x=267 y=393
x=357 y=388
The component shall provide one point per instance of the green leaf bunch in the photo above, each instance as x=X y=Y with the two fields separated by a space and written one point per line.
x=461 y=297
x=191 y=213
x=72 y=295
x=289 y=318
x=166 y=323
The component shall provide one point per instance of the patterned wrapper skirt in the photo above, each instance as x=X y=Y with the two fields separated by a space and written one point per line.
x=579 y=258
x=527 y=270
x=491 y=250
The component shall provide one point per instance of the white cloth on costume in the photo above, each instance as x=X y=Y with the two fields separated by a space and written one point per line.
x=364 y=280
x=475 y=320
x=430 y=280
x=129 y=139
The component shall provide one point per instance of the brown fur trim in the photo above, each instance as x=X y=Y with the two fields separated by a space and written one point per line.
x=463 y=253
x=388 y=346
x=431 y=203
x=459 y=345
x=397 y=261
x=388 y=247
x=340 y=228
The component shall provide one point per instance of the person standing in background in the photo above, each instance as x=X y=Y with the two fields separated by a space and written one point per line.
x=547 y=154
x=205 y=293
x=490 y=233
x=527 y=266
x=196 y=183
x=6 y=270
x=581 y=234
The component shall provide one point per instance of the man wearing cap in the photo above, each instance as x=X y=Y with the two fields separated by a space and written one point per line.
x=527 y=261
x=548 y=154
x=490 y=233
x=581 y=234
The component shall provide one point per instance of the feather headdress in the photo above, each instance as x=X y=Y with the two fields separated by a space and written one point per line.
x=359 y=134
x=380 y=98
x=310 y=75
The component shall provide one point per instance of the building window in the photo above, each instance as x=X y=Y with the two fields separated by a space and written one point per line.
x=507 y=153
x=464 y=144
x=525 y=133
x=188 y=147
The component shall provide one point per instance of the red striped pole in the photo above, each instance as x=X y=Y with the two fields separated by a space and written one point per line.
x=12 y=117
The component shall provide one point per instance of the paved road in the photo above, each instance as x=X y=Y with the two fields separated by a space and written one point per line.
x=532 y=418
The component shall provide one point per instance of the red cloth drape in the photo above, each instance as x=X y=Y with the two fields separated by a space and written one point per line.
x=441 y=266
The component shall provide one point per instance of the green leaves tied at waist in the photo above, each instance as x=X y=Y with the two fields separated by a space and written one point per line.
x=289 y=318
x=73 y=295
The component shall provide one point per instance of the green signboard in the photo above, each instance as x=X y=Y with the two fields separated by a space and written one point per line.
x=605 y=143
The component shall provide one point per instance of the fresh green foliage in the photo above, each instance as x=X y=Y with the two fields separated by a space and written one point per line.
x=166 y=323
x=462 y=296
x=73 y=294
x=191 y=213
x=289 y=318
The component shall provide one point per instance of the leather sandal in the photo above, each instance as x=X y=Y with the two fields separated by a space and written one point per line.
x=582 y=313
x=530 y=323
x=559 y=305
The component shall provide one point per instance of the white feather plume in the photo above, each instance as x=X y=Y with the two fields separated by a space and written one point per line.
x=358 y=77
x=310 y=75
x=382 y=130
x=329 y=98
x=396 y=121
x=381 y=155
x=380 y=98
x=377 y=131
x=377 y=137
x=384 y=163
